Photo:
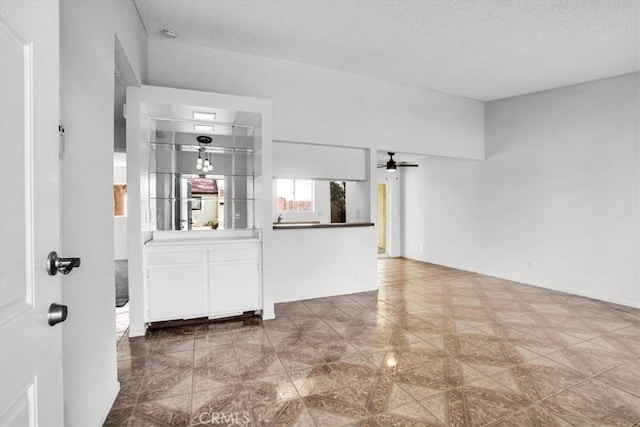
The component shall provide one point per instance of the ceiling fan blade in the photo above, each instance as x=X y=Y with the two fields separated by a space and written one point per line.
x=407 y=165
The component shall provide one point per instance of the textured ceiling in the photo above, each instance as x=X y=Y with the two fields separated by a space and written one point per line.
x=478 y=49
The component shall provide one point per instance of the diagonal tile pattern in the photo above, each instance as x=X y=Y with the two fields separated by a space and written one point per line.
x=433 y=346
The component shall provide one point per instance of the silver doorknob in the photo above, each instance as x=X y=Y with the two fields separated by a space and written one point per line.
x=57 y=313
x=63 y=265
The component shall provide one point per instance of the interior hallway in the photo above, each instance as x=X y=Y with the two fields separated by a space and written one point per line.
x=433 y=347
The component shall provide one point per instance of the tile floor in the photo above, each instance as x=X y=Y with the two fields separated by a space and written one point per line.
x=432 y=347
x=122 y=321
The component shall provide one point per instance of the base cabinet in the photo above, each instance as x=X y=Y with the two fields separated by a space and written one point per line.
x=234 y=287
x=216 y=280
x=177 y=292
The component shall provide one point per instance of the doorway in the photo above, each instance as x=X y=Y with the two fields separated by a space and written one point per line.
x=123 y=76
x=381 y=221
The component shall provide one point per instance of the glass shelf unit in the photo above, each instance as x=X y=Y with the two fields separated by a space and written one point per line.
x=183 y=132
x=169 y=185
x=205 y=212
x=223 y=161
x=195 y=148
x=184 y=197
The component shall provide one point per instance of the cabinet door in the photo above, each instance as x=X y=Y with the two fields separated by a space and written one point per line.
x=177 y=292
x=234 y=287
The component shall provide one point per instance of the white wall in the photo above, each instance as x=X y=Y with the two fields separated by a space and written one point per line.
x=556 y=202
x=314 y=263
x=322 y=106
x=293 y=160
x=440 y=214
x=87 y=45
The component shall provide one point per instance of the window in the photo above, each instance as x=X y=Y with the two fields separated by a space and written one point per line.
x=338 y=193
x=294 y=195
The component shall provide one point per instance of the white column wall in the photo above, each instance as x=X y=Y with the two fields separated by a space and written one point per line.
x=88 y=32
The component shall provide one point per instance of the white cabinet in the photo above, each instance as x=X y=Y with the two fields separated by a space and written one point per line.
x=190 y=280
x=177 y=292
x=234 y=279
x=233 y=287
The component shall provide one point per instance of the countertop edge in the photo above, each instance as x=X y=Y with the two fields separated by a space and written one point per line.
x=199 y=242
x=310 y=226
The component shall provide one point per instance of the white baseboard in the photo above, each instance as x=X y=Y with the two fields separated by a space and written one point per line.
x=562 y=289
x=307 y=295
x=536 y=284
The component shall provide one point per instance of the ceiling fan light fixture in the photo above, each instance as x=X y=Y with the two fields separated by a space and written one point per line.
x=391 y=164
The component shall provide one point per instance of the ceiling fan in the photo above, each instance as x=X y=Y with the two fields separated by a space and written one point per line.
x=392 y=165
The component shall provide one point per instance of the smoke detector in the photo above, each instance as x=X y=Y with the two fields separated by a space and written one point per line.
x=168 y=32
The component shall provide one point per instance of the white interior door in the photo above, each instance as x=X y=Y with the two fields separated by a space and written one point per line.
x=31 y=350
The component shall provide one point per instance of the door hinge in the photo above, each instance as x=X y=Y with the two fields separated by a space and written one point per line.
x=61 y=143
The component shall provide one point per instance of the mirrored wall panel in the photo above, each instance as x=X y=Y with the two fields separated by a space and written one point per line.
x=201 y=178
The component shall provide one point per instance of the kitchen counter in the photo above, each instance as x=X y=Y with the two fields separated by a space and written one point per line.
x=324 y=261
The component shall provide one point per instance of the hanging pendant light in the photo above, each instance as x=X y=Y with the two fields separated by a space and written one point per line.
x=205 y=165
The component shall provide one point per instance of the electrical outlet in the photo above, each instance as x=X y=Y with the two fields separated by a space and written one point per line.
x=532 y=265
x=421 y=247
